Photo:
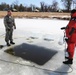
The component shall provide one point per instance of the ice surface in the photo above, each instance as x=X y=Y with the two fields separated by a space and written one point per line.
x=44 y=33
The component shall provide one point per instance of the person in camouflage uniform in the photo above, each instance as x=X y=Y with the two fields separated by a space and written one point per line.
x=9 y=26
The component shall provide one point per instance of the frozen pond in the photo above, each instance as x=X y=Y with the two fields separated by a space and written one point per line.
x=37 y=50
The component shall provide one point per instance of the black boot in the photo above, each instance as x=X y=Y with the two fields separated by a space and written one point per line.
x=69 y=61
x=8 y=44
x=12 y=42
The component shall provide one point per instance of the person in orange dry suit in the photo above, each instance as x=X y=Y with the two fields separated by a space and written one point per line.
x=70 y=31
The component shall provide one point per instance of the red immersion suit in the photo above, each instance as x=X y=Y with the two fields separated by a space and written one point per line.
x=71 y=38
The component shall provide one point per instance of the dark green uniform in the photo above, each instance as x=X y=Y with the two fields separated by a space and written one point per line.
x=9 y=24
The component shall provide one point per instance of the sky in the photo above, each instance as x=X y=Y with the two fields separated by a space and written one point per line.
x=35 y=2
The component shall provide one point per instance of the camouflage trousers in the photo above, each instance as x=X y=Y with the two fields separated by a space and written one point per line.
x=9 y=34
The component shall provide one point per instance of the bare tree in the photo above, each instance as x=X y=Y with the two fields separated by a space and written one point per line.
x=46 y=8
x=67 y=4
x=33 y=7
x=4 y=6
x=15 y=4
x=42 y=6
x=54 y=5
x=21 y=8
x=74 y=4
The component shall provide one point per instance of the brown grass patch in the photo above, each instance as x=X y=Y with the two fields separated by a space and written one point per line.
x=37 y=15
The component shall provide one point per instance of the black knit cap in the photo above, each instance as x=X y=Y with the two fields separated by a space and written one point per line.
x=73 y=11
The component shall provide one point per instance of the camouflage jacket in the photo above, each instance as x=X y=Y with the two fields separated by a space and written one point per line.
x=9 y=22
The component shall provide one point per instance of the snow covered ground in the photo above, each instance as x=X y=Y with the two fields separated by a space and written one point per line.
x=44 y=34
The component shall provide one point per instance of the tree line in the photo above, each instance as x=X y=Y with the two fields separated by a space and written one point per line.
x=43 y=6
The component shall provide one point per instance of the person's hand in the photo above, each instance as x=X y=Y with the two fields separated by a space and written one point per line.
x=8 y=29
x=14 y=27
x=66 y=39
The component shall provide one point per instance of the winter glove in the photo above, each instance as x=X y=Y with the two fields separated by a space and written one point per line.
x=14 y=27
x=66 y=39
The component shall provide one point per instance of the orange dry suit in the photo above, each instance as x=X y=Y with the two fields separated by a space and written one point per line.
x=71 y=34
